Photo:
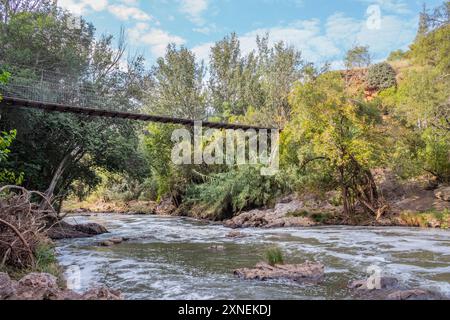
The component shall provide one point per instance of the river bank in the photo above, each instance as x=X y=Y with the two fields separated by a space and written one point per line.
x=411 y=205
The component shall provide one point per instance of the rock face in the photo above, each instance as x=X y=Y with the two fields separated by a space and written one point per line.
x=390 y=289
x=43 y=286
x=64 y=230
x=443 y=193
x=165 y=207
x=306 y=272
x=276 y=217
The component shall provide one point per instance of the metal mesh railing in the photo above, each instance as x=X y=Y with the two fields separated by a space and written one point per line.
x=50 y=87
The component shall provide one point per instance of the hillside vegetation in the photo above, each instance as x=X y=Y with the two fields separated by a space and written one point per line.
x=339 y=127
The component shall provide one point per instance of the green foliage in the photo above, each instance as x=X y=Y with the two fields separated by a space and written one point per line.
x=432 y=49
x=357 y=57
x=239 y=189
x=330 y=130
x=53 y=149
x=274 y=256
x=397 y=55
x=435 y=154
x=298 y=214
x=381 y=76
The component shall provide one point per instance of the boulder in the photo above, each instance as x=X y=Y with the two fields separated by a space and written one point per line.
x=106 y=243
x=91 y=228
x=116 y=240
x=6 y=286
x=64 y=230
x=43 y=286
x=305 y=272
x=282 y=215
x=412 y=294
x=385 y=283
x=102 y=293
x=216 y=248
x=442 y=193
x=111 y=242
x=165 y=207
x=236 y=234
x=37 y=286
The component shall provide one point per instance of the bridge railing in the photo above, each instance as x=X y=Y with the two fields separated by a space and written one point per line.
x=50 y=87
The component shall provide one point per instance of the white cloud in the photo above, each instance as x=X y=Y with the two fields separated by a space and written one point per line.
x=156 y=38
x=130 y=2
x=390 y=6
x=394 y=33
x=126 y=13
x=329 y=42
x=194 y=9
x=80 y=7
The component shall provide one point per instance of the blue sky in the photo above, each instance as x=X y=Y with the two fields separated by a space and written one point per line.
x=322 y=29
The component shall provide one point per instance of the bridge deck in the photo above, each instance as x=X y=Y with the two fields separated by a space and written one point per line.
x=18 y=102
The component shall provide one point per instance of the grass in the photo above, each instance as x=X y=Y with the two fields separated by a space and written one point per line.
x=320 y=217
x=298 y=214
x=274 y=256
x=426 y=219
x=46 y=262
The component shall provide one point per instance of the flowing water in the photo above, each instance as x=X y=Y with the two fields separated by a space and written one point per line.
x=171 y=258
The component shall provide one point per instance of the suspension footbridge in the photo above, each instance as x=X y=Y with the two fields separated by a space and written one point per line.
x=53 y=92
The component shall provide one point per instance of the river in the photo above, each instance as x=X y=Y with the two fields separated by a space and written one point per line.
x=171 y=258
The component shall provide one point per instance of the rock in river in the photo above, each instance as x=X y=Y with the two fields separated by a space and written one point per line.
x=64 y=230
x=305 y=272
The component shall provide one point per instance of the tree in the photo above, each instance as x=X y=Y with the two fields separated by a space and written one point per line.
x=226 y=73
x=177 y=85
x=331 y=128
x=53 y=150
x=357 y=57
x=432 y=49
x=6 y=139
x=280 y=66
x=423 y=23
x=381 y=76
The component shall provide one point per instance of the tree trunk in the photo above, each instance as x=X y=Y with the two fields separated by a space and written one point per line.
x=57 y=175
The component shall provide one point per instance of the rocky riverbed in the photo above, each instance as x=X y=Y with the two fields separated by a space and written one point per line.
x=182 y=258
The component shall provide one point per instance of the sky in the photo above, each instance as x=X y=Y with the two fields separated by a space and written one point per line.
x=322 y=29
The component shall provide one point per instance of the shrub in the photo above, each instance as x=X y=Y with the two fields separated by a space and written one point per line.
x=298 y=214
x=274 y=256
x=244 y=188
x=381 y=76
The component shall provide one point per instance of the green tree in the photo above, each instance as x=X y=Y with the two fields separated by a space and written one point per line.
x=54 y=150
x=6 y=139
x=331 y=128
x=177 y=85
x=357 y=57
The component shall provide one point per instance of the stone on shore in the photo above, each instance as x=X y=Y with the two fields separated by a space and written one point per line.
x=305 y=272
x=284 y=214
x=43 y=286
x=442 y=193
